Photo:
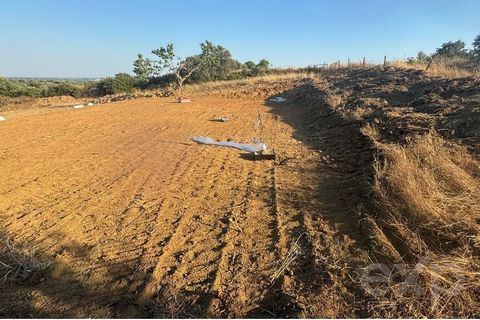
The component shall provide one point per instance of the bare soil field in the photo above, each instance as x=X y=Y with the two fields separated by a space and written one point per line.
x=136 y=220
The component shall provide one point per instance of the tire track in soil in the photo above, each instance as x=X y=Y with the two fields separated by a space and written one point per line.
x=241 y=289
x=148 y=225
x=172 y=254
x=240 y=282
x=81 y=201
x=320 y=187
x=127 y=276
x=173 y=201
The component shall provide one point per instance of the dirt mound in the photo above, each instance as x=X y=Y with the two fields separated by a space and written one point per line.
x=401 y=103
x=423 y=206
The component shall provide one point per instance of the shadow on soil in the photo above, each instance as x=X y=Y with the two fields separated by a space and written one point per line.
x=335 y=188
x=59 y=291
x=344 y=173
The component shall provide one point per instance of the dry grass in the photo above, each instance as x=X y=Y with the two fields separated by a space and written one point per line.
x=434 y=184
x=427 y=197
x=208 y=86
x=446 y=287
x=17 y=265
x=334 y=100
x=443 y=68
x=294 y=252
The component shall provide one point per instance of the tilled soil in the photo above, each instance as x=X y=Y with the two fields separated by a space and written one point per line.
x=139 y=221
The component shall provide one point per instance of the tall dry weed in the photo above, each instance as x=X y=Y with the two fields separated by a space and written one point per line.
x=433 y=184
x=427 y=200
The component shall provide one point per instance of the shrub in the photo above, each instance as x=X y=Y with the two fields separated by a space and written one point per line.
x=121 y=83
x=38 y=88
x=63 y=89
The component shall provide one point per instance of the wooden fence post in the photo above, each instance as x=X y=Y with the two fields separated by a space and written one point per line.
x=348 y=63
x=384 y=62
x=363 y=62
x=429 y=63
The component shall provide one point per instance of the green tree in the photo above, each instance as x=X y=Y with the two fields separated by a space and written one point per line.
x=181 y=68
x=262 y=66
x=421 y=57
x=452 y=49
x=476 y=47
x=250 y=65
x=142 y=68
x=217 y=63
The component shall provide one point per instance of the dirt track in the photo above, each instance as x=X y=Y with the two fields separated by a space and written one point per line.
x=140 y=221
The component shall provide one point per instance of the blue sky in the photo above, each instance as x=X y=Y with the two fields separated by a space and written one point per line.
x=94 y=38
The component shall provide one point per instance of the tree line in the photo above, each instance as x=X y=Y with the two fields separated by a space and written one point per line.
x=213 y=63
x=164 y=69
x=451 y=50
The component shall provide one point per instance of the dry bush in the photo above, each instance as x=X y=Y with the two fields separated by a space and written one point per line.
x=370 y=130
x=427 y=200
x=17 y=265
x=334 y=100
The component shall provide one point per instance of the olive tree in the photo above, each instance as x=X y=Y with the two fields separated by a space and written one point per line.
x=181 y=68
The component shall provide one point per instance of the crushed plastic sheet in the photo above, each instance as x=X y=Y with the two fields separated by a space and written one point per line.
x=252 y=148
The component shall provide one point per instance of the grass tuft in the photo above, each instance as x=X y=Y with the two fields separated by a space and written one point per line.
x=18 y=266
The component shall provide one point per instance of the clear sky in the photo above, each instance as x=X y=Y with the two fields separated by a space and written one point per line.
x=96 y=38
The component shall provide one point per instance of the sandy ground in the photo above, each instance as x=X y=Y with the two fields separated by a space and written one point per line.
x=137 y=220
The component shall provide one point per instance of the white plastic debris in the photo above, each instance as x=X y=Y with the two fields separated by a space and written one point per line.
x=183 y=100
x=252 y=148
x=2 y=118
x=89 y=104
x=278 y=99
x=219 y=119
x=78 y=106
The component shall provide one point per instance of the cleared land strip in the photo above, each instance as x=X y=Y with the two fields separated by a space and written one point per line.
x=139 y=221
